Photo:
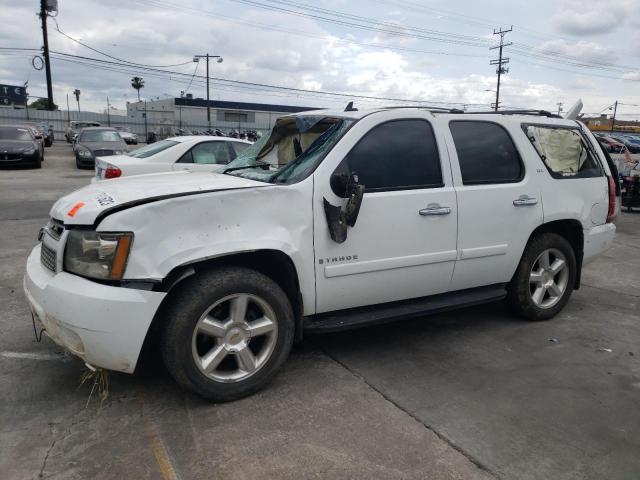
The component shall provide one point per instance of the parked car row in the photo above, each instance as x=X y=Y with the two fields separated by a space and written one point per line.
x=618 y=142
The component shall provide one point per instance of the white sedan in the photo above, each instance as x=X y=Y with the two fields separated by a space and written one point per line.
x=195 y=153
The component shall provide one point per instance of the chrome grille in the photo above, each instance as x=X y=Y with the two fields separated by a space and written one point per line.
x=102 y=153
x=48 y=257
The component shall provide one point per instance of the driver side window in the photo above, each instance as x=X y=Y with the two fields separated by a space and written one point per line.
x=396 y=155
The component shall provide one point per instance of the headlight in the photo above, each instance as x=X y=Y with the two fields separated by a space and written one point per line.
x=83 y=152
x=97 y=255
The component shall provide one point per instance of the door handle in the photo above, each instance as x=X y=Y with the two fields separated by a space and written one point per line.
x=524 y=200
x=435 y=210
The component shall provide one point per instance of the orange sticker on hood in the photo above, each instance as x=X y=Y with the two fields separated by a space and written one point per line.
x=75 y=208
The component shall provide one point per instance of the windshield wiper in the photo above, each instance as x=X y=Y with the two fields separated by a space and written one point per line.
x=258 y=164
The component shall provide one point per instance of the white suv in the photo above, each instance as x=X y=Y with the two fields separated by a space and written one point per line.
x=336 y=219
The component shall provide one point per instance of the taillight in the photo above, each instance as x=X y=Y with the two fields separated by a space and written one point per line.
x=612 y=200
x=112 y=172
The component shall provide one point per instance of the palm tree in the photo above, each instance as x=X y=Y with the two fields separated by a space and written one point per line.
x=76 y=92
x=137 y=83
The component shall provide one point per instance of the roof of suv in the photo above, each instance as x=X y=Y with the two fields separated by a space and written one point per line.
x=531 y=116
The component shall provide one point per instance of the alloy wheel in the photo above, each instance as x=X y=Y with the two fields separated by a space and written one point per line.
x=548 y=278
x=234 y=338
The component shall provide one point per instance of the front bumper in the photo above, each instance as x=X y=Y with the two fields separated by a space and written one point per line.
x=22 y=160
x=85 y=161
x=597 y=240
x=104 y=325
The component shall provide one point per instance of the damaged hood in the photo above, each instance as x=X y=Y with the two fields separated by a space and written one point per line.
x=83 y=206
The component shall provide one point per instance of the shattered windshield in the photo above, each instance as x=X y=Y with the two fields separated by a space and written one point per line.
x=292 y=150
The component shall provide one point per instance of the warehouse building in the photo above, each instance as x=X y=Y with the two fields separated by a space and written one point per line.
x=190 y=113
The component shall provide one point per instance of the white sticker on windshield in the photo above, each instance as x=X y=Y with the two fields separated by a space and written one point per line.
x=104 y=199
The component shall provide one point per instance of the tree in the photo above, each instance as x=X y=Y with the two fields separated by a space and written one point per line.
x=41 y=104
x=76 y=92
x=137 y=83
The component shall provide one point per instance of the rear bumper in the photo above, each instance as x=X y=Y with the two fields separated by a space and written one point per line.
x=597 y=240
x=104 y=325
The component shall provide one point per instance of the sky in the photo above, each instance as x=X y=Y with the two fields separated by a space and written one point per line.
x=433 y=51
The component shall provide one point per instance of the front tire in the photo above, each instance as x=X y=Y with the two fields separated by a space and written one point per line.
x=544 y=279
x=226 y=333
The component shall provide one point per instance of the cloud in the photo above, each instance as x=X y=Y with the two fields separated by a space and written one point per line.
x=591 y=17
x=634 y=76
x=581 y=50
x=316 y=60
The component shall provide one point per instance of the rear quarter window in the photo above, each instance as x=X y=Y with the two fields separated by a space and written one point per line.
x=564 y=150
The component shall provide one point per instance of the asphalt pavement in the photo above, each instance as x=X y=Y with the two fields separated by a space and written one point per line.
x=471 y=394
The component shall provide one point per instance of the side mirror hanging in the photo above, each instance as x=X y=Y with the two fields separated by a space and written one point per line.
x=338 y=219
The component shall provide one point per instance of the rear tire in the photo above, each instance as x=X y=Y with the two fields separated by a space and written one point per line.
x=545 y=278
x=218 y=339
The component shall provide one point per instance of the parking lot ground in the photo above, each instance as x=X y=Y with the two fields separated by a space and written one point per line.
x=469 y=394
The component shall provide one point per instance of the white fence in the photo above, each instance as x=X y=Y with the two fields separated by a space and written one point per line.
x=59 y=120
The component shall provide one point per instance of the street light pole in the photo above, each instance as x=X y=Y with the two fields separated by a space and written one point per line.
x=196 y=58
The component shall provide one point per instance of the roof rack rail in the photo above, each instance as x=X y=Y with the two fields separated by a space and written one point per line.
x=541 y=113
x=426 y=107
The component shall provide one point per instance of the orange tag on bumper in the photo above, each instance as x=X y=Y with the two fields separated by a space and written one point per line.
x=75 y=209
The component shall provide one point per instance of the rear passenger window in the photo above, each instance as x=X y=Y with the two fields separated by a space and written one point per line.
x=564 y=151
x=486 y=153
x=397 y=155
x=208 y=153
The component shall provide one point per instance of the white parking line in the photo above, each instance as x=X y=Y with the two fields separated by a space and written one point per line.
x=32 y=356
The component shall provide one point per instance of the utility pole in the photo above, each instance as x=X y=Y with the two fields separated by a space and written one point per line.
x=613 y=119
x=146 y=133
x=44 y=9
x=500 y=69
x=196 y=58
x=559 y=104
x=108 y=112
x=68 y=112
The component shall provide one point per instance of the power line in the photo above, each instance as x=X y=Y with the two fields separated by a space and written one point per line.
x=192 y=77
x=420 y=33
x=403 y=31
x=255 y=84
x=111 y=56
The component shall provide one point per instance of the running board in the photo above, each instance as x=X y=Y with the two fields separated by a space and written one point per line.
x=390 y=312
